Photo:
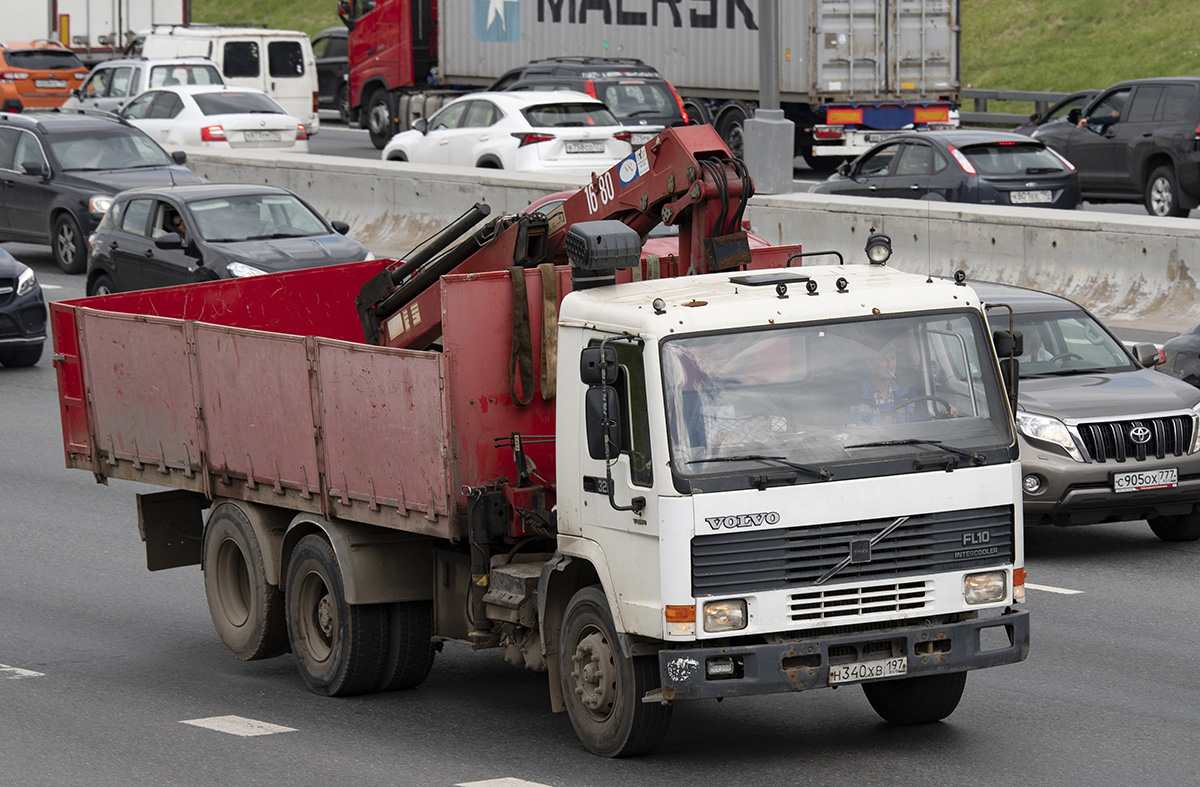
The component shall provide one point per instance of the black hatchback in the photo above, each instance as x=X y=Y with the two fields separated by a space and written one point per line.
x=59 y=171
x=168 y=236
x=982 y=167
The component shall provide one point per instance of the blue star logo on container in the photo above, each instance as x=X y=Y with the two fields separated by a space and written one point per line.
x=498 y=20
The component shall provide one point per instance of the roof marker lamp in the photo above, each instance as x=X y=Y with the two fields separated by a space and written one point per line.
x=879 y=248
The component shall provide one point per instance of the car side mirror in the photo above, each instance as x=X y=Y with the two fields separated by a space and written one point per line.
x=179 y=157
x=1146 y=354
x=422 y=125
x=171 y=240
x=35 y=168
x=340 y=227
x=844 y=169
x=1036 y=117
x=1074 y=115
x=76 y=93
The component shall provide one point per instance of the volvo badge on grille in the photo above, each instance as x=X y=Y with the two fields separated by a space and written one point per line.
x=1139 y=434
x=860 y=550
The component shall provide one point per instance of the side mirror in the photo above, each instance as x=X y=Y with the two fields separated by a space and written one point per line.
x=1146 y=354
x=340 y=227
x=1074 y=115
x=422 y=125
x=179 y=157
x=1008 y=346
x=602 y=413
x=844 y=169
x=76 y=93
x=1036 y=117
x=35 y=168
x=1009 y=343
x=169 y=241
x=598 y=366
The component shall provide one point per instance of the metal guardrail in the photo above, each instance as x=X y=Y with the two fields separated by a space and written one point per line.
x=981 y=117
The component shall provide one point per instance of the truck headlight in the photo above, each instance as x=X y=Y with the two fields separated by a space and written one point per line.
x=727 y=615
x=240 y=270
x=984 y=588
x=100 y=204
x=1049 y=430
x=26 y=282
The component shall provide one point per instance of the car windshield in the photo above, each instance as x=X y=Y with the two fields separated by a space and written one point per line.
x=255 y=217
x=44 y=60
x=568 y=114
x=838 y=398
x=1066 y=343
x=1012 y=158
x=115 y=147
x=185 y=74
x=233 y=103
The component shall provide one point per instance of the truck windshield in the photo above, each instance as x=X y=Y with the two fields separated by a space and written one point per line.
x=845 y=399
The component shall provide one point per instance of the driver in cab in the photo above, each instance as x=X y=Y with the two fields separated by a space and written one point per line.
x=884 y=399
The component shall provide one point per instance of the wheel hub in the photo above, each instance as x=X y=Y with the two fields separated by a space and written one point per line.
x=1160 y=197
x=325 y=615
x=592 y=661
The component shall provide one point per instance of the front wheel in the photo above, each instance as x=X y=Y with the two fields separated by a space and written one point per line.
x=379 y=119
x=101 y=285
x=340 y=648
x=1176 y=528
x=602 y=689
x=1162 y=194
x=917 y=700
x=70 y=249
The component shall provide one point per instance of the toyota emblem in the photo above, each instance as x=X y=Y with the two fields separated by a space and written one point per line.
x=1139 y=434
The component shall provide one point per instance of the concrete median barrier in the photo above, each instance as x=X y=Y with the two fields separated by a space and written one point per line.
x=1128 y=269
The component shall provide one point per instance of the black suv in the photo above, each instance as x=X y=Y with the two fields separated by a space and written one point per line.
x=1139 y=143
x=59 y=171
x=635 y=93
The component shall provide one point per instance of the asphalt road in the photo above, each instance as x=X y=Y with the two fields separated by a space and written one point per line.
x=107 y=673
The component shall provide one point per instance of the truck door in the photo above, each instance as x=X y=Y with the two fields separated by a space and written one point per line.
x=631 y=469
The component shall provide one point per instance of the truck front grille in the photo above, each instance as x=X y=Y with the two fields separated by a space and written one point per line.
x=842 y=601
x=749 y=560
x=1117 y=441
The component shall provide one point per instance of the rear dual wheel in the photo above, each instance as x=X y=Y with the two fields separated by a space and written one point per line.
x=343 y=649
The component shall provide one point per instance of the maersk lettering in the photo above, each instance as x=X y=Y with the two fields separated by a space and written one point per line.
x=743 y=520
x=701 y=14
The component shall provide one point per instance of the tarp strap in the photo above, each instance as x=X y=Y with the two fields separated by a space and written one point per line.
x=549 y=330
x=521 y=362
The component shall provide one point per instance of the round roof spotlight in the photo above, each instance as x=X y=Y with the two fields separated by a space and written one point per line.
x=960 y=278
x=811 y=286
x=879 y=248
x=781 y=290
x=660 y=306
x=842 y=285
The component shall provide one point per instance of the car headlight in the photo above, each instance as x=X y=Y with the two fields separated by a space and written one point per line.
x=725 y=615
x=26 y=282
x=100 y=204
x=1049 y=430
x=1195 y=430
x=239 y=270
x=984 y=588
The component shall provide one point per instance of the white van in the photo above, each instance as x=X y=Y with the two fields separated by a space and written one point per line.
x=279 y=62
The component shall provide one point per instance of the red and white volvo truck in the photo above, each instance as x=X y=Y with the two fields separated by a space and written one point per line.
x=656 y=480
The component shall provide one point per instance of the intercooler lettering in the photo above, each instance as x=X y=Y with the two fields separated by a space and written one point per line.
x=743 y=520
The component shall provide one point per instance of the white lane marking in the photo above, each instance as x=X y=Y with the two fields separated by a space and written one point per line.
x=505 y=782
x=238 y=725
x=15 y=672
x=1049 y=589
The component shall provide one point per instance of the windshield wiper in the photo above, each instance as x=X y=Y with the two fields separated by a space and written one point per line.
x=976 y=459
x=821 y=472
x=642 y=112
x=1065 y=372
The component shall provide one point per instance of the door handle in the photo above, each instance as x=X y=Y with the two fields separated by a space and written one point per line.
x=371 y=51
x=872 y=188
x=914 y=187
x=113 y=246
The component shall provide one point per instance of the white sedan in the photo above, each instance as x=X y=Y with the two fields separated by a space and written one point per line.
x=214 y=116
x=560 y=133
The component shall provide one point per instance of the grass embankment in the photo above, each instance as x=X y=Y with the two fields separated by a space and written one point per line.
x=1044 y=45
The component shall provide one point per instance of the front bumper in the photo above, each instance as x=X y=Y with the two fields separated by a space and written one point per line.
x=1081 y=493
x=804 y=664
